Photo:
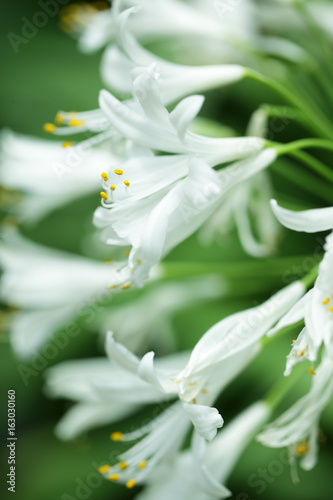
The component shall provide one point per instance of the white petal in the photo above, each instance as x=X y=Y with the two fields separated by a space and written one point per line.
x=122 y=356
x=205 y=420
x=309 y=221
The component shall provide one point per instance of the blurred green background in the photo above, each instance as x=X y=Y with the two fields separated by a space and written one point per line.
x=48 y=73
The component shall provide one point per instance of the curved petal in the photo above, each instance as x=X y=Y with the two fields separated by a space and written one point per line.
x=309 y=221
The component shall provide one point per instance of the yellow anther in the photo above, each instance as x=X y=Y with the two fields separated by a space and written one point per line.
x=104 y=176
x=122 y=465
x=311 y=370
x=127 y=183
x=178 y=381
x=127 y=252
x=116 y=436
x=49 y=127
x=126 y=286
x=114 y=477
x=142 y=464
x=294 y=340
x=330 y=309
x=302 y=352
x=111 y=287
x=118 y=171
x=130 y=483
x=302 y=448
x=67 y=144
x=103 y=469
x=74 y=122
x=59 y=119
x=191 y=384
x=108 y=261
x=203 y=391
x=194 y=401
x=139 y=262
x=326 y=301
x=112 y=187
x=104 y=195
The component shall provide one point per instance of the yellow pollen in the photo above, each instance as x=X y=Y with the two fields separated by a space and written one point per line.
x=127 y=252
x=126 y=286
x=302 y=352
x=108 y=261
x=203 y=391
x=311 y=370
x=330 y=309
x=59 y=119
x=294 y=340
x=142 y=464
x=49 y=127
x=67 y=144
x=191 y=384
x=130 y=484
x=118 y=171
x=104 y=176
x=122 y=465
x=127 y=183
x=114 y=477
x=302 y=448
x=178 y=381
x=326 y=301
x=194 y=401
x=104 y=195
x=116 y=436
x=111 y=287
x=103 y=469
x=74 y=122
x=139 y=262
x=112 y=187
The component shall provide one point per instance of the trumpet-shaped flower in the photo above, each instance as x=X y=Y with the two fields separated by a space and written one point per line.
x=297 y=428
x=198 y=473
x=50 y=287
x=175 y=80
x=162 y=437
x=159 y=221
x=235 y=334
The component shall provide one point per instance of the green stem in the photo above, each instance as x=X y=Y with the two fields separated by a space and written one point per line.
x=283 y=149
x=316 y=165
x=311 y=277
x=315 y=119
x=282 y=387
x=232 y=270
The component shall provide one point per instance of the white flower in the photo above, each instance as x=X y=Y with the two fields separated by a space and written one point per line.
x=51 y=287
x=161 y=18
x=48 y=175
x=197 y=474
x=309 y=221
x=316 y=309
x=297 y=428
x=158 y=222
x=235 y=334
x=164 y=435
x=126 y=393
x=151 y=125
x=175 y=80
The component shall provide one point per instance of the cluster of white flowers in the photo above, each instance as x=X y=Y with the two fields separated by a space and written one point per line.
x=161 y=182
